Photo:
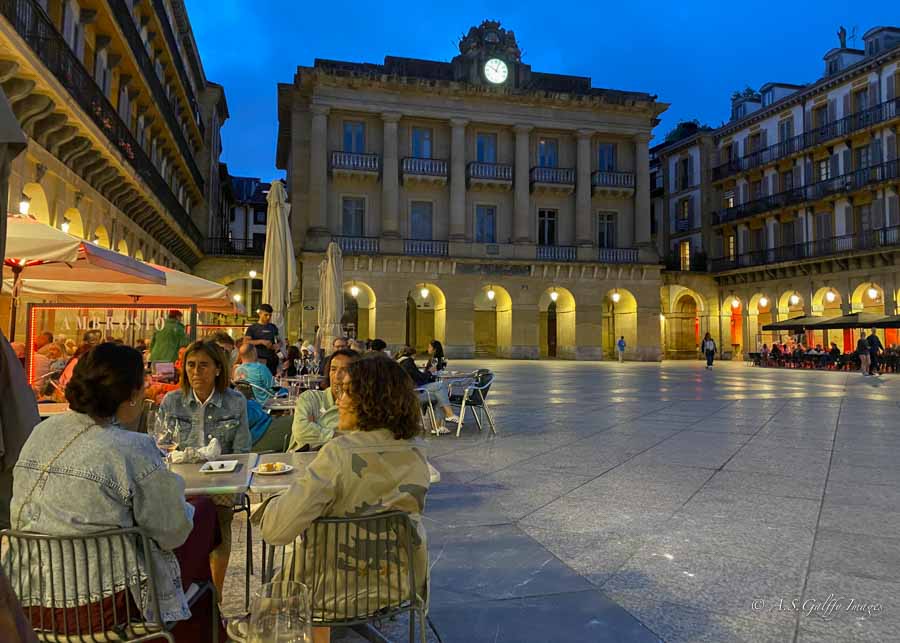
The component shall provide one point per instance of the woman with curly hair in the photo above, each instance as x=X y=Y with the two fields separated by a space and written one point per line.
x=376 y=463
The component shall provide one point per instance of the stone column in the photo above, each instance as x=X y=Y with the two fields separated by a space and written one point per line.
x=390 y=176
x=318 y=172
x=458 y=179
x=522 y=207
x=641 y=190
x=583 y=235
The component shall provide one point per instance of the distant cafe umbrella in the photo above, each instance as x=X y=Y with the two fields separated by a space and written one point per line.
x=331 y=297
x=279 y=265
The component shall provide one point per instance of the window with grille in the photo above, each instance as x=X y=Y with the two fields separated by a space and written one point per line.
x=547 y=227
x=353 y=215
x=606 y=230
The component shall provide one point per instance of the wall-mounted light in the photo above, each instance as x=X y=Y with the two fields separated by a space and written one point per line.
x=616 y=296
x=24 y=204
x=424 y=292
x=252 y=274
x=554 y=295
x=491 y=294
x=830 y=296
x=662 y=317
x=795 y=299
x=763 y=302
x=872 y=292
x=65 y=226
x=237 y=298
x=354 y=291
x=735 y=302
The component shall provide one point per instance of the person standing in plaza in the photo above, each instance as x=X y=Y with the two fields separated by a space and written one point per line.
x=264 y=335
x=620 y=348
x=708 y=346
x=875 y=349
x=166 y=342
x=862 y=351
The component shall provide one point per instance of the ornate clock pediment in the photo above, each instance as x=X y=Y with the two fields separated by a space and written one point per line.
x=490 y=39
x=490 y=43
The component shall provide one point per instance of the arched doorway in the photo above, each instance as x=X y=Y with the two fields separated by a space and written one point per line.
x=736 y=326
x=359 y=310
x=619 y=320
x=101 y=237
x=760 y=310
x=556 y=310
x=73 y=223
x=827 y=302
x=36 y=202
x=493 y=322
x=684 y=327
x=122 y=247
x=868 y=298
x=426 y=316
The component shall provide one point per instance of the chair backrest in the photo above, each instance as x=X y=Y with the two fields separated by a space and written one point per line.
x=49 y=572
x=354 y=567
x=245 y=388
x=484 y=378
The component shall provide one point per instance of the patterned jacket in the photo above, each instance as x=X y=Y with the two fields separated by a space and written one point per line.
x=358 y=473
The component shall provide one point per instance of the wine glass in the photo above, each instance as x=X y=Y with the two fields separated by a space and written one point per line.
x=166 y=434
x=280 y=613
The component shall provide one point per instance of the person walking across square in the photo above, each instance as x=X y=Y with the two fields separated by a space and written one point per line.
x=708 y=346
x=620 y=348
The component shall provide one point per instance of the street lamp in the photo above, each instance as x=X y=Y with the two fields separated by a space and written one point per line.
x=24 y=204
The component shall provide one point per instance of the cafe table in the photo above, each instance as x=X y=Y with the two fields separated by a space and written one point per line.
x=274 y=483
x=280 y=405
x=237 y=482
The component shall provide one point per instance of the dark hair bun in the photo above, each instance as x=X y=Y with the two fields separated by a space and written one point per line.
x=104 y=378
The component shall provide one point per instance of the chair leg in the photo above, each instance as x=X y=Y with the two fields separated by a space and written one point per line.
x=462 y=417
x=475 y=412
x=490 y=418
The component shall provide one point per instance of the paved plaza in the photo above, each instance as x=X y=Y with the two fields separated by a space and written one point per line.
x=640 y=502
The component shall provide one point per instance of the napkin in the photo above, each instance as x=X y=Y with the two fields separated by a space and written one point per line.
x=193 y=454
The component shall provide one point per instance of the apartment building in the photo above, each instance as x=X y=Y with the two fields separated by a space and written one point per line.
x=123 y=125
x=501 y=210
x=798 y=202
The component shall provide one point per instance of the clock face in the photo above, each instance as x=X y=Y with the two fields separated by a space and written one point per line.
x=495 y=71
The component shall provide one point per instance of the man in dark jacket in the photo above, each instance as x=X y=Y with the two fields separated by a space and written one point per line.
x=875 y=349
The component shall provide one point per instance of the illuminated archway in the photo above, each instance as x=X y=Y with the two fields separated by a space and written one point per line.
x=426 y=316
x=868 y=297
x=760 y=313
x=556 y=310
x=683 y=325
x=122 y=247
x=359 y=310
x=36 y=200
x=101 y=237
x=139 y=254
x=827 y=302
x=735 y=335
x=493 y=321
x=73 y=223
x=619 y=320
x=791 y=305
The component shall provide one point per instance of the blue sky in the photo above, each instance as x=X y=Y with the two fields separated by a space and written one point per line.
x=691 y=54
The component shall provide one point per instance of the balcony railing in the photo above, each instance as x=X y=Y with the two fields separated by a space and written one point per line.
x=32 y=24
x=836 y=129
x=617 y=255
x=553 y=175
x=557 y=253
x=682 y=225
x=354 y=161
x=424 y=167
x=126 y=24
x=612 y=179
x=163 y=17
x=867 y=240
x=358 y=245
x=233 y=247
x=844 y=183
x=489 y=171
x=426 y=248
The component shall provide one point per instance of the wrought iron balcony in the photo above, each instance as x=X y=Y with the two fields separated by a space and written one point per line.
x=489 y=175
x=33 y=25
x=424 y=248
x=352 y=163
x=867 y=240
x=233 y=247
x=836 y=129
x=557 y=253
x=617 y=255
x=358 y=245
x=424 y=170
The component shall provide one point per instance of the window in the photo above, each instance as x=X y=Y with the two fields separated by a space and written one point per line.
x=485 y=224
x=758 y=239
x=728 y=199
x=823 y=222
x=546 y=227
x=259 y=217
x=787 y=233
x=756 y=190
x=755 y=142
x=861 y=100
x=256 y=288
x=768 y=98
x=684 y=210
x=607 y=230
x=353 y=213
x=421 y=142
x=684 y=173
x=354 y=137
x=732 y=247
x=820 y=116
x=606 y=161
x=124 y=103
x=548 y=152
x=684 y=254
x=486 y=147
x=787 y=181
x=785 y=129
x=101 y=70
x=863 y=157
x=420 y=220
x=823 y=169
x=740 y=111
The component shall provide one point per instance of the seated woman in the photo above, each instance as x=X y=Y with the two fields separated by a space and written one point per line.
x=427 y=382
x=436 y=361
x=80 y=473
x=375 y=464
x=204 y=408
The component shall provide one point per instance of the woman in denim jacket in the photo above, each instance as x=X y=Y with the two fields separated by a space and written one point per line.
x=80 y=472
x=204 y=407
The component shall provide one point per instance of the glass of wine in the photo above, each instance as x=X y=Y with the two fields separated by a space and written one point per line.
x=280 y=613
x=166 y=434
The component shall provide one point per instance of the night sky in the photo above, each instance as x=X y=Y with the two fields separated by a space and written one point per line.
x=691 y=54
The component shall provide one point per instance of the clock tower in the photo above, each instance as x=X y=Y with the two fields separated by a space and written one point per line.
x=490 y=56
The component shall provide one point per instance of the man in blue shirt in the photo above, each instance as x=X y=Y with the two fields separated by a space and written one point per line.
x=251 y=370
x=264 y=335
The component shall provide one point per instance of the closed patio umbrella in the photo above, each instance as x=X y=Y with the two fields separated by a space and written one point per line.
x=331 y=297
x=279 y=265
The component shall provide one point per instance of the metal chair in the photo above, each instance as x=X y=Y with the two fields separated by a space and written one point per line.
x=64 y=566
x=474 y=395
x=353 y=569
x=426 y=408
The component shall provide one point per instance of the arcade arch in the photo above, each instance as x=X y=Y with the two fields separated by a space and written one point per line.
x=493 y=321
x=619 y=320
x=359 y=310
x=426 y=316
x=556 y=321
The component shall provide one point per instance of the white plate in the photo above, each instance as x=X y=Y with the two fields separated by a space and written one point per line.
x=219 y=466
x=286 y=469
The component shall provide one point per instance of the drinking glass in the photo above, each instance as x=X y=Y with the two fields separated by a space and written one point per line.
x=166 y=434
x=280 y=613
